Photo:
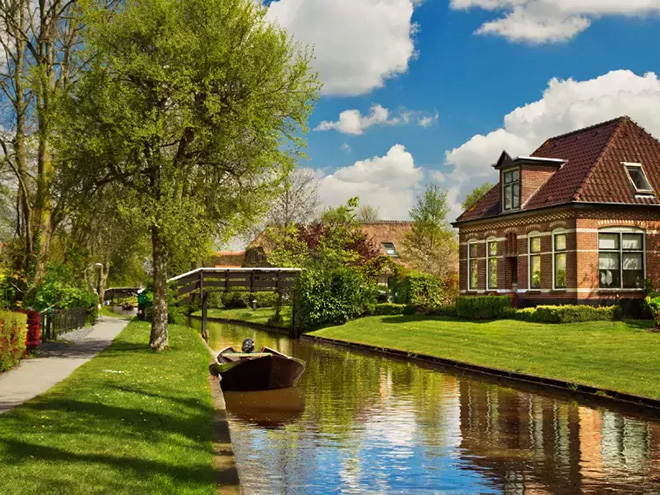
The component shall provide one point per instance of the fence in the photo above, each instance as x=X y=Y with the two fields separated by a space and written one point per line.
x=58 y=321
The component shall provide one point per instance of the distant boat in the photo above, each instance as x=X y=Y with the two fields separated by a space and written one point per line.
x=251 y=371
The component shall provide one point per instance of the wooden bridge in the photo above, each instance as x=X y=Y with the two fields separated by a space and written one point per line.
x=199 y=282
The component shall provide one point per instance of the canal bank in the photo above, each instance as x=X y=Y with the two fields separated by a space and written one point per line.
x=407 y=331
x=366 y=422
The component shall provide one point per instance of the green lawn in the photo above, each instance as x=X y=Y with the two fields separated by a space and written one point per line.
x=259 y=315
x=106 y=311
x=129 y=421
x=622 y=355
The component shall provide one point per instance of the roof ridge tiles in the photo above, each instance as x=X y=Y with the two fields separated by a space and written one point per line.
x=585 y=129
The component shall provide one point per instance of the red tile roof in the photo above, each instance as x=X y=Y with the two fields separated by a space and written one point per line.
x=592 y=173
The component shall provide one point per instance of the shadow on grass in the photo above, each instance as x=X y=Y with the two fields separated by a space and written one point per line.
x=191 y=475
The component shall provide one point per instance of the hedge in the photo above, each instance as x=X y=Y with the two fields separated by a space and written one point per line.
x=13 y=332
x=33 y=337
x=447 y=310
x=384 y=309
x=421 y=290
x=483 y=307
x=569 y=314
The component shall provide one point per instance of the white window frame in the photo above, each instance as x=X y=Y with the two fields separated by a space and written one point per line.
x=469 y=265
x=518 y=183
x=632 y=182
x=395 y=252
x=489 y=241
x=555 y=233
x=620 y=231
x=530 y=236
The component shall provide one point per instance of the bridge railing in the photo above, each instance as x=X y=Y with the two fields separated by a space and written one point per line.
x=55 y=322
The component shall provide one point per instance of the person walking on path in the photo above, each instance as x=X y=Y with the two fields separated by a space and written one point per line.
x=56 y=362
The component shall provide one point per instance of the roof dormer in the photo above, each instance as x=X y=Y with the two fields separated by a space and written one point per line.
x=521 y=177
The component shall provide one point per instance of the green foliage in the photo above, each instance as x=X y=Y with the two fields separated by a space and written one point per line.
x=482 y=307
x=476 y=194
x=430 y=246
x=331 y=297
x=13 y=332
x=386 y=309
x=445 y=310
x=235 y=299
x=569 y=314
x=420 y=290
x=60 y=289
x=652 y=306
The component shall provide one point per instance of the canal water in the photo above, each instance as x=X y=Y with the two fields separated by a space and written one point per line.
x=362 y=423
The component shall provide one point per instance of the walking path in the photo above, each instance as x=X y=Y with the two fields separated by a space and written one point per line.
x=56 y=362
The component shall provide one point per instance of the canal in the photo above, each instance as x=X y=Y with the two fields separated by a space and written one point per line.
x=363 y=423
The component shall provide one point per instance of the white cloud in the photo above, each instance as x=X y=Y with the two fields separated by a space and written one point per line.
x=385 y=182
x=358 y=44
x=353 y=122
x=547 y=21
x=566 y=105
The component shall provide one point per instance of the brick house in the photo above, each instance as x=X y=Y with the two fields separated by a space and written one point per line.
x=578 y=221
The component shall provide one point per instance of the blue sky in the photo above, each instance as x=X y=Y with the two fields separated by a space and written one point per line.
x=481 y=75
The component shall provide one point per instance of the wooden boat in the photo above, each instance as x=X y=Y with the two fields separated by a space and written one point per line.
x=250 y=371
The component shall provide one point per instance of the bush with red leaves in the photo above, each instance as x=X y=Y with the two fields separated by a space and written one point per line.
x=33 y=337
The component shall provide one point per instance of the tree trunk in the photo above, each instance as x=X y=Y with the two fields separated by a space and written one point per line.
x=103 y=280
x=158 y=340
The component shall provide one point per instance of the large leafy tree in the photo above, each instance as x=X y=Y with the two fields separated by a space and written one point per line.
x=196 y=106
x=431 y=246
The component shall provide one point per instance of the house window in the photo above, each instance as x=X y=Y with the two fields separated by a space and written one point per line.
x=492 y=264
x=473 y=265
x=638 y=178
x=621 y=260
x=390 y=249
x=534 y=262
x=511 y=189
x=559 y=260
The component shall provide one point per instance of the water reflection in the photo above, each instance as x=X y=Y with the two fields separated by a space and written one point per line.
x=269 y=408
x=376 y=425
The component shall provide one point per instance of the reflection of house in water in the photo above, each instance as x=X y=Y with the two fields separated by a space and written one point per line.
x=532 y=444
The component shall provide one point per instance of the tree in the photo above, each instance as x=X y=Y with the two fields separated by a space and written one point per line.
x=39 y=44
x=430 y=246
x=368 y=214
x=299 y=201
x=476 y=194
x=198 y=108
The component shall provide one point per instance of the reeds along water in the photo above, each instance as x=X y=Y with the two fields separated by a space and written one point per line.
x=365 y=423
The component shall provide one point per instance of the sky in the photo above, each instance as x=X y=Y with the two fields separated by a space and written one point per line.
x=416 y=91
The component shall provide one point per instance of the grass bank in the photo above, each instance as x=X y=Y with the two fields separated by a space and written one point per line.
x=128 y=421
x=622 y=356
x=259 y=315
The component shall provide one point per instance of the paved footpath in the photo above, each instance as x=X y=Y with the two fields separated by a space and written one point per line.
x=57 y=361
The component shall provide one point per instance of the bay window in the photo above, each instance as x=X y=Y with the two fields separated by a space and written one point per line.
x=621 y=260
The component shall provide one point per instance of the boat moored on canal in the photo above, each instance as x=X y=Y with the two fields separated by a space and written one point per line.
x=251 y=371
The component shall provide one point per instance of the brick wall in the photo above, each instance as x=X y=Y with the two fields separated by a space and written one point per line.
x=533 y=177
x=581 y=227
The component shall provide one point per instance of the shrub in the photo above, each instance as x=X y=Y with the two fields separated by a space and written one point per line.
x=235 y=299
x=652 y=307
x=421 y=290
x=331 y=296
x=33 y=337
x=13 y=331
x=569 y=314
x=389 y=309
x=410 y=309
x=482 y=307
x=445 y=310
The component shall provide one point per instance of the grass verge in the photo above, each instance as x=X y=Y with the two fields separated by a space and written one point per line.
x=622 y=356
x=259 y=315
x=106 y=311
x=128 y=421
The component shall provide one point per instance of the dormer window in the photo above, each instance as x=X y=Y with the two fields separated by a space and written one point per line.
x=638 y=178
x=390 y=250
x=511 y=189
